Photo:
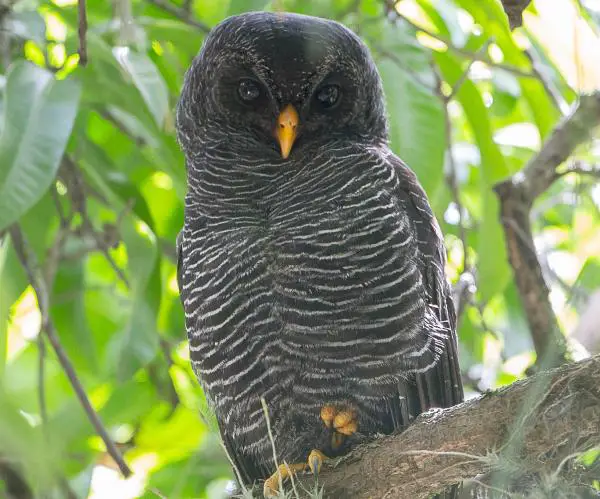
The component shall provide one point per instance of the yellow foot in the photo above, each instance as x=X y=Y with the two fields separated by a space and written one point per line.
x=344 y=423
x=314 y=464
x=315 y=461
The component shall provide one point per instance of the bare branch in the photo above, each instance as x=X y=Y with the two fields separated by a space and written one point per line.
x=573 y=130
x=447 y=446
x=517 y=195
x=82 y=30
x=34 y=274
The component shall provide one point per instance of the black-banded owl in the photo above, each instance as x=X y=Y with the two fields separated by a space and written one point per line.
x=311 y=267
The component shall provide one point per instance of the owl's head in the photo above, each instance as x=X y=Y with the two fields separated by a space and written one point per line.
x=274 y=85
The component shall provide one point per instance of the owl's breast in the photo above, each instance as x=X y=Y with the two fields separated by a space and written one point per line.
x=346 y=276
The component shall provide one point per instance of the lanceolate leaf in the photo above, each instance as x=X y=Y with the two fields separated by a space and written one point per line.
x=493 y=269
x=415 y=113
x=416 y=125
x=147 y=79
x=139 y=341
x=38 y=117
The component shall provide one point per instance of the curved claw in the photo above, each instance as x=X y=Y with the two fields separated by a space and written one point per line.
x=271 y=485
x=345 y=422
x=315 y=461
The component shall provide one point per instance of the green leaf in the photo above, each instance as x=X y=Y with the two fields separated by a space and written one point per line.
x=415 y=114
x=589 y=276
x=24 y=445
x=68 y=313
x=183 y=37
x=491 y=17
x=27 y=25
x=416 y=125
x=105 y=83
x=446 y=14
x=119 y=409
x=38 y=117
x=515 y=329
x=148 y=81
x=14 y=283
x=138 y=343
x=494 y=272
x=240 y=6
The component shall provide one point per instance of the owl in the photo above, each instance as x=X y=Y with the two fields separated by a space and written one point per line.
x=310 y=264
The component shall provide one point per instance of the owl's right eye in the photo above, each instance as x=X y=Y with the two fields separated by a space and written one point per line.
x=248 y=90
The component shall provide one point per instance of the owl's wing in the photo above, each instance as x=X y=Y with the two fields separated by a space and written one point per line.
x=441 y=385
x=246 y=468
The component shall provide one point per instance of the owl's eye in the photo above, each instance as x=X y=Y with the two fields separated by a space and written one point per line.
x=248 y=90
x=328 y=96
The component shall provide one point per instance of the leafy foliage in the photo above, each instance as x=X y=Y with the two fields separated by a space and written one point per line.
x=91 y=171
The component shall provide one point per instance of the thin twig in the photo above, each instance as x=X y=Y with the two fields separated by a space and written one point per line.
x=463 y=77
x=78 y=197
x=42 y=382
x=107 y=115
x=396 y=60
x=453 y=184
x=30 y=265
x=521 y=73
x=181 y=13
x=581 y=168
x=556 y=97
x=5 y=35
x=64 y=221
x=82 y=30
x=466 y=285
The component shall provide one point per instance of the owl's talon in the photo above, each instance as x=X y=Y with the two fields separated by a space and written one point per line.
x=328 y=413
x=342 y=421
x=314 y=463
x=345 y=422
x=271 y=485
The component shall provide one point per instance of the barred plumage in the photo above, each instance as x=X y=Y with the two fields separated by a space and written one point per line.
x=314 y=280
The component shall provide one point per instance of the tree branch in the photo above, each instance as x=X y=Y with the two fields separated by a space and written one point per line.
x=82 y=30
x=34 y=274
x=447 y=446
x=517 y=195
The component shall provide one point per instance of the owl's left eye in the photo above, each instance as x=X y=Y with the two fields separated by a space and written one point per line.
x=248 y=90
x=328 y=96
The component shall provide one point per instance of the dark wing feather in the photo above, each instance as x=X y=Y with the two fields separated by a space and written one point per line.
x=246 y=468
x=440 y=386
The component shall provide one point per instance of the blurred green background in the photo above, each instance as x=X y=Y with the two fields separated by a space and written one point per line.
x=90 y=168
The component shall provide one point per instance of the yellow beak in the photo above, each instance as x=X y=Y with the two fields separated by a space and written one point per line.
x=285 y=130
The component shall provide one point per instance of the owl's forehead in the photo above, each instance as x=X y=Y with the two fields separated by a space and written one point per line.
x=285 y=45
